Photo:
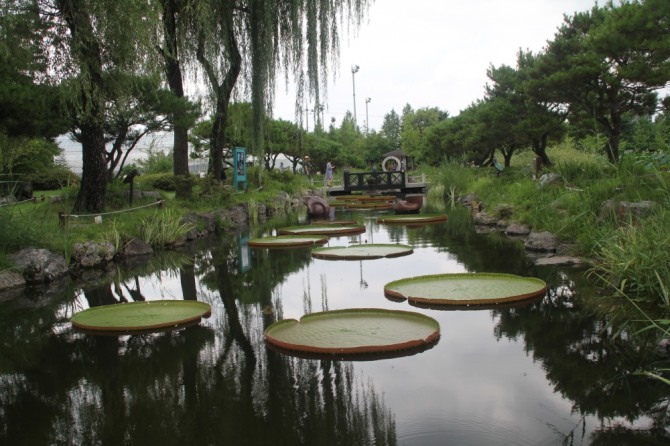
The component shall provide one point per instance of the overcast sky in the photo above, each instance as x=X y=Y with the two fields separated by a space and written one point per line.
x=431 y=53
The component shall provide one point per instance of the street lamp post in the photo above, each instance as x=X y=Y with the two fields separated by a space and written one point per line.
x=367 y=120
x=354 y=70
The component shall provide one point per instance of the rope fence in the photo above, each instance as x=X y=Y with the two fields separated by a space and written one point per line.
x=33 y=200
x=63 y=217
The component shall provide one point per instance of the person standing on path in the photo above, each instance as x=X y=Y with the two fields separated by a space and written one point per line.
x=329 y=174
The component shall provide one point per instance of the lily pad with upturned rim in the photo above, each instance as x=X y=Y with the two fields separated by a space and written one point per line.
x=140 y=316
x=334 y=222
x=362 y=252
x=412 y=219
x=354 y=331
x=322 y=230
x=366 y=197
x=369 y=205
x=287 y=241
x=465 y=289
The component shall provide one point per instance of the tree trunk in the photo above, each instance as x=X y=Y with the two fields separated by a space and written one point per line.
x=223 y=93
x=93 y=187
x=87 y=52
x=174 y=77
x=540 y=149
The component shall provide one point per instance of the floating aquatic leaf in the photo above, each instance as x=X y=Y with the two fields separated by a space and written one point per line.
x=322 y=230
x=412 y=218
x=287 y=241
x=362 y=251
x=354 y=331
x=137 y=316
x=465 y=289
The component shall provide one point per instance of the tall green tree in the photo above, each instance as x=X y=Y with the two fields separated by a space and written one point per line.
x=413 y=134
x=534 y=120
x=608 y=62
x=391 y=128
x=91 y=41
x=29 y=106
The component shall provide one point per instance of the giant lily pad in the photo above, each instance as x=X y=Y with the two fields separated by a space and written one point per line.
x=465 y=289
x=334 y=222
x=412 y=219
x=362 y=251
x=369 y=205
x=322 y=230
x=354 y=331
x=366 y=197
x=287 y=241
x=140 y=316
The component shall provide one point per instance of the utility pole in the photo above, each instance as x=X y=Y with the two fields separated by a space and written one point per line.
x=367 y=121
x=354 y=70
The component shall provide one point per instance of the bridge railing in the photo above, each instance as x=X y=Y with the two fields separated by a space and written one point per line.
x=374 y=180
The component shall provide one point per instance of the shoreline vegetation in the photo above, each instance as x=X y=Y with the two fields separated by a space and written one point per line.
x=615 y=215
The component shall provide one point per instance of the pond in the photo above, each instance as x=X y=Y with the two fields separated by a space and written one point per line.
x=548 y=372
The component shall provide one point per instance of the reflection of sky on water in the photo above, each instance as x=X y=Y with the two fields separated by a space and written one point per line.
x=470 y=388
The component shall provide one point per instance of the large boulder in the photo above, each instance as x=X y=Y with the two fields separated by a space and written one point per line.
x=485 y=219
x=136 y=247
x=39 y=265
x=541 y=242
x=92 y=254
x=517 y=229
x=10 y=279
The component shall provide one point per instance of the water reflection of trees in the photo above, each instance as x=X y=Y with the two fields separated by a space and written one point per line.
x=210 y=384
x=589 y=362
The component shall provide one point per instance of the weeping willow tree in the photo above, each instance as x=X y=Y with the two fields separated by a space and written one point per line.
x=241 y=46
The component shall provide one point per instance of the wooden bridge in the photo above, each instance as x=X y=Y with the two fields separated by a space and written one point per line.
x=373 y=182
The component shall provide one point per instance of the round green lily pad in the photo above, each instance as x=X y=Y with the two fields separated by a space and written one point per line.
x=412 y=218
x=140 y=316
x=354 y=331
x=465 y=289
x=334 y=222
x=323 y=230
x=287 y=241
x=362 y=251
x=369 y=205
x=366 y=197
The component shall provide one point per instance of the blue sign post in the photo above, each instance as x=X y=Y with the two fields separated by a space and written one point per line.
x=240 y=168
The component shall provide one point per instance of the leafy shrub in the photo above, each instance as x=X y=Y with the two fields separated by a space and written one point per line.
x=54 y=178
x=161 y=181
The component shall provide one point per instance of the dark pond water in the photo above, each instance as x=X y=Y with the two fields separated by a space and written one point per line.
x=550 y=372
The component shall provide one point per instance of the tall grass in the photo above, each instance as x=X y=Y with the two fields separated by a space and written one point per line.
x=637 y=259
x=632 y=254
x=163 y=228
x=14 y=234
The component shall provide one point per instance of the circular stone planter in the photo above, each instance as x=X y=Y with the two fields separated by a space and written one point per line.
x=322 y=230
x=362 y=252
x=465 y=289
x=354 y=331
x=140 y=316
x=287 y=241
x=412 y=219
